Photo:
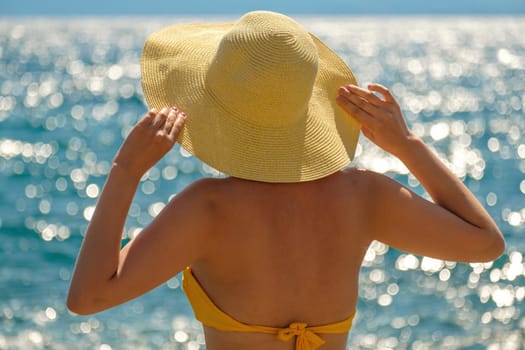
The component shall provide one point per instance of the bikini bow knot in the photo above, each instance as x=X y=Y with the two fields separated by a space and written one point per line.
x=306 y=339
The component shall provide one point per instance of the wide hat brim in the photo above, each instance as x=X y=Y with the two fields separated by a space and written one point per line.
x=175 y=63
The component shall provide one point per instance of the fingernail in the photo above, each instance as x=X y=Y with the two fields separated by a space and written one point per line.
x=183 y=115
x=174 y=108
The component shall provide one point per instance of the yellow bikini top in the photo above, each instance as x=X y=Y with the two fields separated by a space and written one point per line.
x=210 y=315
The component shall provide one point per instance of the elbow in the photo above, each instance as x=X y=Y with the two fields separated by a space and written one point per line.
x=81 y=304
x=75 y=306
x=498 y=244
x=78 y=306
x=495 y=248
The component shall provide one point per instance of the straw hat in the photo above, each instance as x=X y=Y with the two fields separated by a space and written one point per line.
x=259 y=94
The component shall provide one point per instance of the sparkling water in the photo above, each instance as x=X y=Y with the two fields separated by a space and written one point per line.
x=70 y=91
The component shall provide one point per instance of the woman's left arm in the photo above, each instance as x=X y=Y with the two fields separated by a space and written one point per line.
x=104 y=274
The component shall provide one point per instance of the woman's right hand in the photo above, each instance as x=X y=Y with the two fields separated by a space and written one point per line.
x=381 y=119
x=153 y=136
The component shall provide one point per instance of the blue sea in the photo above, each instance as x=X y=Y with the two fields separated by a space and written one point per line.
x=70 y=91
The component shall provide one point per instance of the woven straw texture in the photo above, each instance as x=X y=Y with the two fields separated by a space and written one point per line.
x=259 y=94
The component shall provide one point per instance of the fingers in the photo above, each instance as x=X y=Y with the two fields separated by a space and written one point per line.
x=177 y=126
x=359 y=114
x=364 y=100
x=357 y=102
x=172 y=116
x=148 y=117
x=365 y=94
x=167 y=123
x=165 y=119
x=174 y=123
x=383 y=91
x=160 y=118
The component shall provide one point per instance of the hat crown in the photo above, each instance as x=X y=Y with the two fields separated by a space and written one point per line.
x=260 y=93
x=264 y=70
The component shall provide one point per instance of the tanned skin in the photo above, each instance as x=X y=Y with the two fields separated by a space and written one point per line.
x=271 y=254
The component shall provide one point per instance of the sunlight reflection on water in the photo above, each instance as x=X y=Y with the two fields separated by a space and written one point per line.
x=70 y=91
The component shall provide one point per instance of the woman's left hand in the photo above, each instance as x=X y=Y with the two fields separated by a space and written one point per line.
x=153 y=136
x=381 y=118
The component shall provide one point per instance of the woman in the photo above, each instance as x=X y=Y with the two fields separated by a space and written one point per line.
x=272 y=253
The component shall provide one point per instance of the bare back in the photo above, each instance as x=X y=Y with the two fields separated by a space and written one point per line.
x=278 y=247
x=273 y=254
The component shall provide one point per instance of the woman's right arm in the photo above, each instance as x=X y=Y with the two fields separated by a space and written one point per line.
x=454 y=227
